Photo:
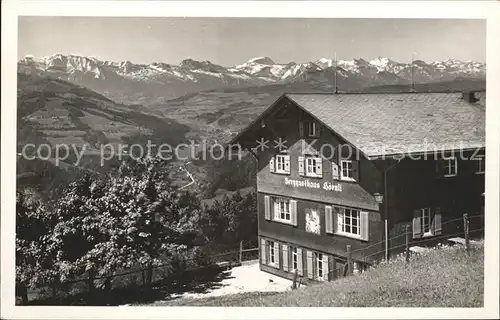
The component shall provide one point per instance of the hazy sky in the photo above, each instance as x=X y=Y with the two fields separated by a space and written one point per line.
x=231 y=41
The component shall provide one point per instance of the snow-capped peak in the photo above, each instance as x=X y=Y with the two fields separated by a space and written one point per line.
x=261 y=60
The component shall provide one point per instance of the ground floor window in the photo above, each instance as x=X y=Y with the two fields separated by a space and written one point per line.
x=272 y=252
x=318 y=259
x=295 y=258
x=426 y=222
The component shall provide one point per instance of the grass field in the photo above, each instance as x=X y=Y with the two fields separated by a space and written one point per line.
x=442 y=277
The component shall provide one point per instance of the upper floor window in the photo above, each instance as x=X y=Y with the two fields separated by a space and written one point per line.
x=450 y=167
x=282 y=209
x=314 y=166
x=309 y=129
x=280 y=164
x=480 y=164
x=346 y=172
x=312 y=129
x=348 y=221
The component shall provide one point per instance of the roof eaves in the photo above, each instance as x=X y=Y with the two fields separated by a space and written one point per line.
x=416 y=153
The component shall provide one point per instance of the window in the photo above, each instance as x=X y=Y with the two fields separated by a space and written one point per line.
x=480 y=164
x=349 y=221
x=312 y=129
x=450 y=167
x=295 y=258
x=272 y=253
x=318 y=261
x=346 y=170
x=282 y=163
x=425 y=221
x=314 y=166
x=282 y=209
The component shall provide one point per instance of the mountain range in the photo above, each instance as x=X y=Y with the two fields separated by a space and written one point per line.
x=157 y=82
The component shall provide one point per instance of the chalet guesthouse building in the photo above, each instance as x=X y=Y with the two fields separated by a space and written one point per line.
x=357 y=169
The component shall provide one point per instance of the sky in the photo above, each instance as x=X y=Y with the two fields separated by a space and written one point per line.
x=232 y=41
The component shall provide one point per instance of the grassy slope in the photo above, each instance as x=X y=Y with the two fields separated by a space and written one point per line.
x=445 y=277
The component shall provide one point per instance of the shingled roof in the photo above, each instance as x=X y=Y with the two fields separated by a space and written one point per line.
x=399 y=123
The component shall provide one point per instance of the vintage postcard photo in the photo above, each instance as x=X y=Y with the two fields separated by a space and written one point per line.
x=241 y=160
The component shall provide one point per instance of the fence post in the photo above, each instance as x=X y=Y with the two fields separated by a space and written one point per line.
x=349 y=260
x=295 y=276
x=241 y=251
x=407 y=243
x=466 y=231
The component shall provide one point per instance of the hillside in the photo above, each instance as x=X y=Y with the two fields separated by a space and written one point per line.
x=442 y=277
x=54 y=111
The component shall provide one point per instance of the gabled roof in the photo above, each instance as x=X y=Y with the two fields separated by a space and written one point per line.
x=399 y=123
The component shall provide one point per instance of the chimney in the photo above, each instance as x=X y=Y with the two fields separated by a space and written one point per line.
x=469 y=96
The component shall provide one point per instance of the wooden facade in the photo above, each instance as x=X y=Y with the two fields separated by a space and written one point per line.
x=309 y=211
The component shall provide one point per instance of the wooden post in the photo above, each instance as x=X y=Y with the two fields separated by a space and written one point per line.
x=466 y=231
x=407 y=243
x=349 y=260
x=295 y=276
x=241 y=251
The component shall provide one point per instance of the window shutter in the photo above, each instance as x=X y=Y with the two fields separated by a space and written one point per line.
x=437 y=222
x=287 y=164
x=293 y=211
x=301 y=129
x=263 y=255
x=301 y=166
x=267 y=208
x=339 y=217
x=317 y=128
x=335 y=171
x=319 y=167
x=309 y=257
x=328 y=219
x=417 y=231
x=364 y=225
x=299 y=262
x=355 y=170
x=277 y=254
x=333 y=269
x=325 y=267
x=271 y=165
x=284 y=249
